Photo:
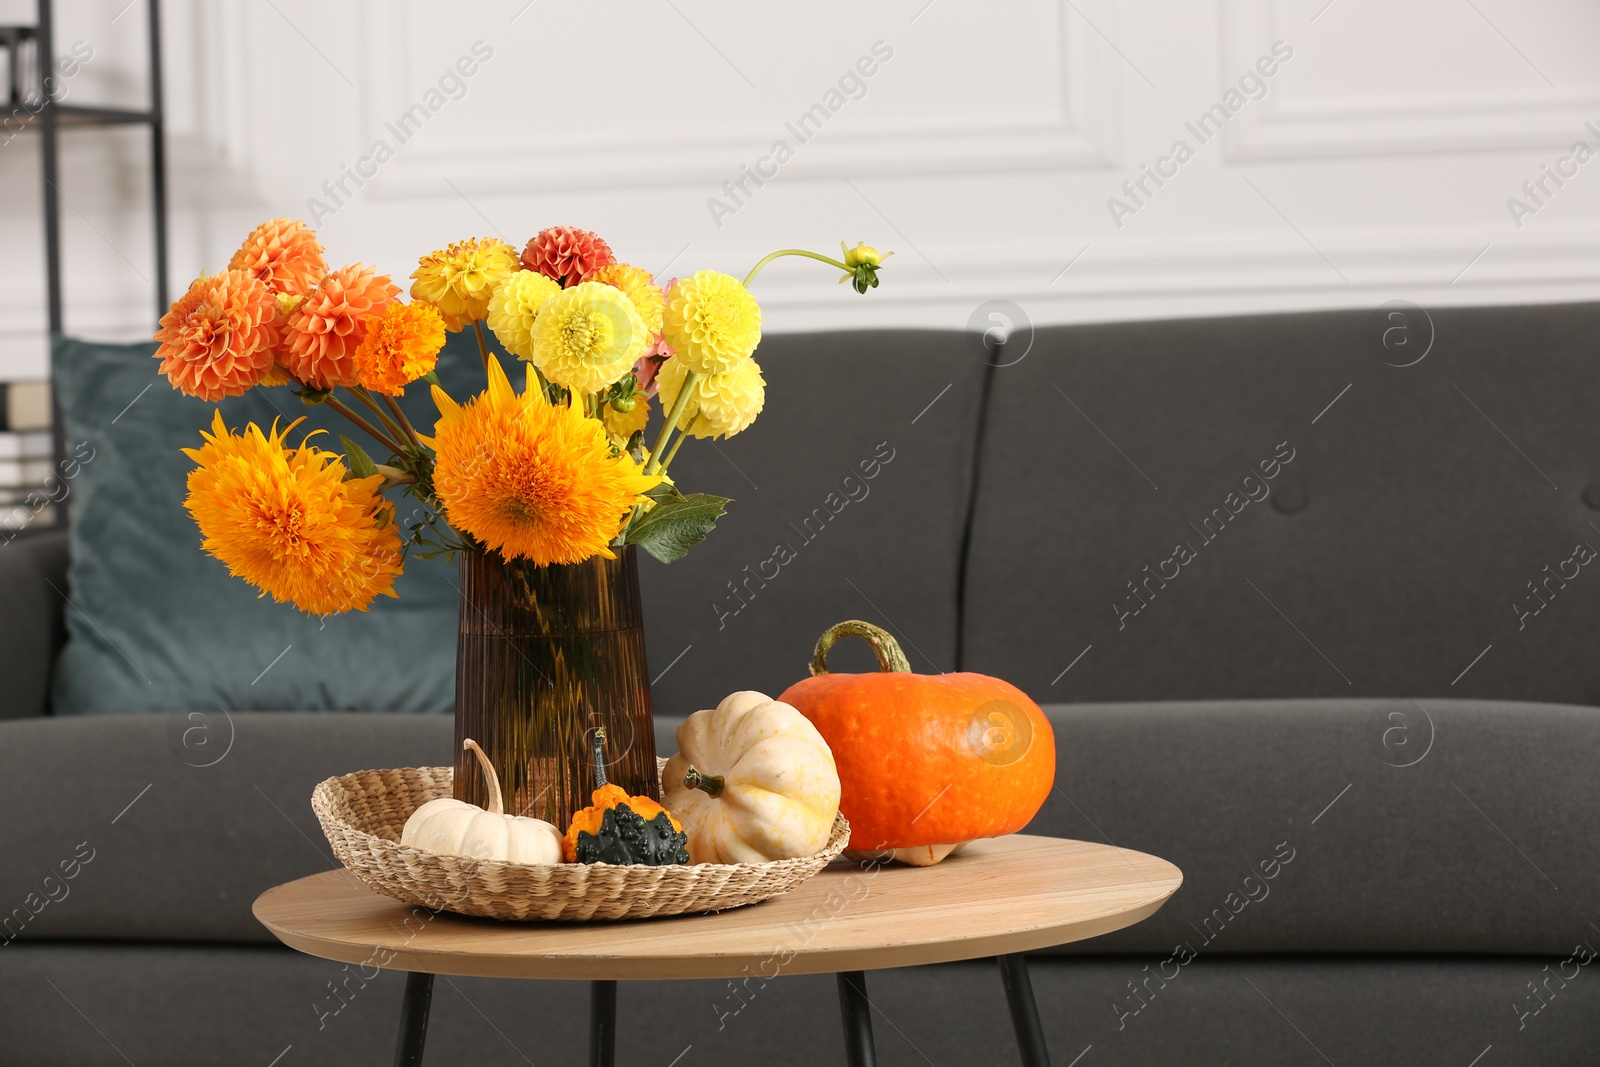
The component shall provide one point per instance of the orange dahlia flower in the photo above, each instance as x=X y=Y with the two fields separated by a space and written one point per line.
x=218 y=338
x=285 y=254
x=291 y=522
x=329 y=325
x=530 y=479
x=400 y=346
x=567 y=254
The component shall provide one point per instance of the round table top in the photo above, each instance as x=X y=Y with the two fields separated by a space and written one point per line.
x=1010 y=894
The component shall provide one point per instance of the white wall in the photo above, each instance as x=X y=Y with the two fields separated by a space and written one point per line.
x=1377 y=165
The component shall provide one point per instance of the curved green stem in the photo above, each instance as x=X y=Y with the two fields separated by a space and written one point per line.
x=818 y=256
x=887 y=650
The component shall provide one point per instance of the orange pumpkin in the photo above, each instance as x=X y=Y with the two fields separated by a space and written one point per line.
x=926 y=759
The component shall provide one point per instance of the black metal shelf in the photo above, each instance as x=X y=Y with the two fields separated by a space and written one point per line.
x=52 y=116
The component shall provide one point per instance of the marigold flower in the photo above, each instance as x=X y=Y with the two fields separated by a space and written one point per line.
x=329 y=325
x=719 y=405
x=515 y=306
x=588 y=337
x=567 y=254
x=283 y=253
x=400 y=346
x=712 y=322
x=640 y=287
x=218 y=338
x=460 y=279
x=530 y=479
x=290 y=522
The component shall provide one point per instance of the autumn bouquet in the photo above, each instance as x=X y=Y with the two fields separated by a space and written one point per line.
x=558 y=471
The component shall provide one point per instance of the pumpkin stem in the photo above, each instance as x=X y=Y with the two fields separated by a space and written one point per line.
x=497 y=803
x=710 y=784
x=599 y=757
x=884 y=646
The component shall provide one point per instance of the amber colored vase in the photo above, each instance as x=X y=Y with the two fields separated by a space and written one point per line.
x=543 y=657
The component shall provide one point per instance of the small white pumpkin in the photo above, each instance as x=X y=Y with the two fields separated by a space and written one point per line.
x=457 y=828
x=753 y=781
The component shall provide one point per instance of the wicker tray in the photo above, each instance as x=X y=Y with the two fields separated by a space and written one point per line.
x=363 y=813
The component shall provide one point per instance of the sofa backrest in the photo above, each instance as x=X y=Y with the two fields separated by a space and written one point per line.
x=850 y=496
x=1337 y=504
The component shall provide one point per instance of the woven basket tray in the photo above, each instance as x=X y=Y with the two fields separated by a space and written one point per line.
x=363 y=813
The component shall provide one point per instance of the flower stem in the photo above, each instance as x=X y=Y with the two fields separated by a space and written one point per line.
x=405 y=423
x=672 y=420
x=483 y=343
x=666 y=461
x=818 y=256
x=395 y=432
x=338 y=405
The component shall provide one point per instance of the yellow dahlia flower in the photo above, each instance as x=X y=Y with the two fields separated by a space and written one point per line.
x=725 y=403
x=640 y=288
x=291 y=522
x=530 y=479
x=588 y=337
x=514 y=307
x=712 y=322
x=459 y=280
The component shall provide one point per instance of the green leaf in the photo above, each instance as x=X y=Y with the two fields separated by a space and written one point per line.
x=361 y=465
x=664 y=493
x=670 y=529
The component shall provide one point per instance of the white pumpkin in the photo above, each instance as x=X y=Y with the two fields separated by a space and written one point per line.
x=753 y=781
x=457 y=828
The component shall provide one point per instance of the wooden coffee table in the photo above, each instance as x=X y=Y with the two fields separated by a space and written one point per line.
x=997 y=898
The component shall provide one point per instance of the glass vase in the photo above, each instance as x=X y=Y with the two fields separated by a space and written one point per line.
x=543 y=657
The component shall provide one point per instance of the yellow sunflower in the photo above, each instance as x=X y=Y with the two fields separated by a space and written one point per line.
x=530 y=479
x=514 y=308
x=719 y=405
x=460 y=279
x=588 y=337
x=712 y=322
x=288 y=521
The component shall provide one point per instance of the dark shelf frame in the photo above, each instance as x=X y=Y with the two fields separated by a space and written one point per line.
x=53 y=116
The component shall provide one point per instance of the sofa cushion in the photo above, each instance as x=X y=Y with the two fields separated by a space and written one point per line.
x=157 y=625
x=1449 y=826
x=172 y=825
x=849 y=501
x=1452 y=854
x=1397 y=545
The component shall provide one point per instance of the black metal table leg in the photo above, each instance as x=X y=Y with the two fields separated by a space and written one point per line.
x=1024 y=1010
x=857 y=1012
x=413 y=1020
x=602 y=1024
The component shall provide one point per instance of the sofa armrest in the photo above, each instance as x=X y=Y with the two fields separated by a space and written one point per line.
x=32 y=582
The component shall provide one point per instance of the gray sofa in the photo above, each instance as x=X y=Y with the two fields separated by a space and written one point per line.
x=1370 y=675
